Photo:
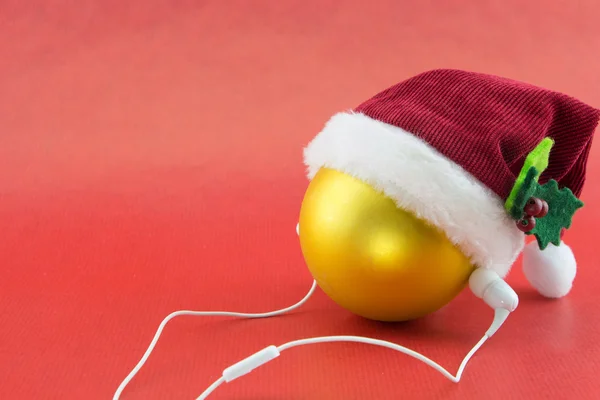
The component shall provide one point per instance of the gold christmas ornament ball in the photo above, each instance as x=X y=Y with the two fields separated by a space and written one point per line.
x=373 y=258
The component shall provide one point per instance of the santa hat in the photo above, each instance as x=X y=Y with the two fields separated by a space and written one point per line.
x=454 y=148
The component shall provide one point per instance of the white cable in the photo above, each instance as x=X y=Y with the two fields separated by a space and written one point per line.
x=144 y=358
x=211 y=388
x=262 y=357
x=390 y=345
x=375 y=342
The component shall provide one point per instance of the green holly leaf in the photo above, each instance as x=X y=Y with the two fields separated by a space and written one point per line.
x=527 y=181
x=562 y=205
x=527 y=187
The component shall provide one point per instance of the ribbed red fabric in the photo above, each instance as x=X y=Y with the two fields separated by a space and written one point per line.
x=488 y=124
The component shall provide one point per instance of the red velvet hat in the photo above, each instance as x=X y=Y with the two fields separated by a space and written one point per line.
x=466 y=152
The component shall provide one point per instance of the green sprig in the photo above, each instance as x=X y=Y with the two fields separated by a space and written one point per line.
x=535 y=163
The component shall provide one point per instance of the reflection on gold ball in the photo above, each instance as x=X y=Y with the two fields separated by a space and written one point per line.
x=373 y=258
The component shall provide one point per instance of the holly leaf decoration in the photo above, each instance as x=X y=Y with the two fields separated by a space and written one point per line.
x=535 y=163
x=527 y=186
x=562 y=205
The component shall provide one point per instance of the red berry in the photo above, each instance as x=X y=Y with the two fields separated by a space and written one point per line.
x=533 y=207
x=544 y=211
x=526 y=224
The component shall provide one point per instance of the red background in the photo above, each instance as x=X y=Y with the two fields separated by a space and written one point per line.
x=150 y=160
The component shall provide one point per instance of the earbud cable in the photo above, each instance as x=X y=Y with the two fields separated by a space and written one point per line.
x=375 y=342
x=262 y=357
x=144 y=358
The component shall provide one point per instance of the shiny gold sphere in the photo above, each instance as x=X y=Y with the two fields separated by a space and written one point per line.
x=373 y=258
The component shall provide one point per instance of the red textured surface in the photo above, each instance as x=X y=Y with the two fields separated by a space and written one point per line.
x=150 y=160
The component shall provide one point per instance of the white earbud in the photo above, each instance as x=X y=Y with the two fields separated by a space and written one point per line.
x=495 y=292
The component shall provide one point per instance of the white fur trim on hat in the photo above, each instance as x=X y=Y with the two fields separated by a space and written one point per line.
x=420 y=179
x=550 y=271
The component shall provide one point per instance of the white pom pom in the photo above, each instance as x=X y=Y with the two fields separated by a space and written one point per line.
x=551 y=271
